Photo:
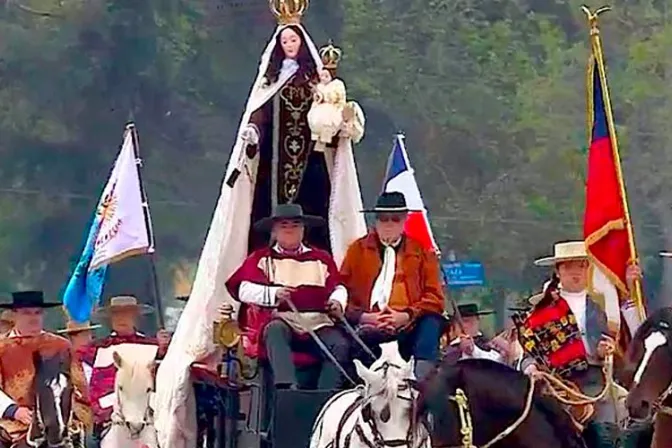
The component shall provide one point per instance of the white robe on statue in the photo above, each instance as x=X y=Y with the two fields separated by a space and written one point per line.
x=226 y=247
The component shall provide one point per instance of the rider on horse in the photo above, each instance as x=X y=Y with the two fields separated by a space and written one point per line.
x=567 y=334
x=17 y=371
x=123 y=313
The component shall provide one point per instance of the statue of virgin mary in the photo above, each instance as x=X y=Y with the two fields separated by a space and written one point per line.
x=273 y=161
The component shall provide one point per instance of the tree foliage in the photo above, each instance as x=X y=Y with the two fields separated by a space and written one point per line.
x=490 y=94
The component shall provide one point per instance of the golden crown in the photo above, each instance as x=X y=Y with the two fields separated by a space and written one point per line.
x=288 y=12
x=330 y=55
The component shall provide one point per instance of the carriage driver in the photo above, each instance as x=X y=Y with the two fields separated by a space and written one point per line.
x=17 y=369
x=572 y=303
x=289 y=276
x=394 y=286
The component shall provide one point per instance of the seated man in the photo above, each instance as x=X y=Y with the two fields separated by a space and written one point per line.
x=286 y=276
x=394 y=286
x=123 y=313
x=17 y=369
x=473 y=344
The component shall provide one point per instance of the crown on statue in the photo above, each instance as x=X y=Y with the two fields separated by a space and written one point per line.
x=288 y=12
x=330 y=55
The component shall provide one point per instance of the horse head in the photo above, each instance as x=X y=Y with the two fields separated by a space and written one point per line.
x=389 y=397
x=133 y=386
x=650 y=363
x=53 y=401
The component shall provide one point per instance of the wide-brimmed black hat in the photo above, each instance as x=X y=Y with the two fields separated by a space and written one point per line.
x=471 y=309
x=392 y=202
x=288 y=212
x=28 y=299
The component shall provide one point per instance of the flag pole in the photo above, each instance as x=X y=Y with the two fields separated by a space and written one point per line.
x=597 y=53
x=130 y=127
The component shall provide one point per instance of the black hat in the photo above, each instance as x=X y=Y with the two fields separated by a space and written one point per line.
x=471 y=309
x=182 y=298
x=390 y=202
x=290 y=212
x=28 y=299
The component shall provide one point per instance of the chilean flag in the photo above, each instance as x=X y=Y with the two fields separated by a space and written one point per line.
x=605 y=221
x=400 y=178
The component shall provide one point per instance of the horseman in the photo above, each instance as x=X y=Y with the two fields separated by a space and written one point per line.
x=395 y=289
x=472 y=343
x=17 y=371
x=579 y=340
x=80 y=335
x=123 y=313
x=277 y=281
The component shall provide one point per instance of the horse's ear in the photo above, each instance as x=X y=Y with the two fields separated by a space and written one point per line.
x=364 y=373
x=117 y=360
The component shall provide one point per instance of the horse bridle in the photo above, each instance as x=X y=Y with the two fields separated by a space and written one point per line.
x=118 y=417
x=377 y=440
x=66 y=442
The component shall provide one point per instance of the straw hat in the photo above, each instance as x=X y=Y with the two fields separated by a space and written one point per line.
x=7 y=316
x=536 y=298
x=570 y=250
x=125 y=303
x=73 y=327
x=666 y=254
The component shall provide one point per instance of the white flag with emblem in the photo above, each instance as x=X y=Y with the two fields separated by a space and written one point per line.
x=124 y=230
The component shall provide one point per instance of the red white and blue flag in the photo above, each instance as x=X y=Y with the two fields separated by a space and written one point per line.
x=605 y=220
x=401 y=178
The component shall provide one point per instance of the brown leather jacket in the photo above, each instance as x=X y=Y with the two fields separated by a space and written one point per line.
x=420 y=272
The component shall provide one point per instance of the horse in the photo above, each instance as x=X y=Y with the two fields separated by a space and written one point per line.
x=132 y=415
x=380 y=414
x=52 y=416
x=649 y=361
x=481 y=403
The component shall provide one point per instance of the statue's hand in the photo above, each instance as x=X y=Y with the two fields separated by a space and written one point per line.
x=348 y=112
x=250 y=135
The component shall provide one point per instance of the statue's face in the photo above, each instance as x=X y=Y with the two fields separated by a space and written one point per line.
x=325 y=76
x=290 y=42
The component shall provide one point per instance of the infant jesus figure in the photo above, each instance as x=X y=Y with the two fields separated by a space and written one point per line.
x=326 y=113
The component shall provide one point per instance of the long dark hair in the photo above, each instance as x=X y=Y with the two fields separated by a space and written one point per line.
x=307 y=69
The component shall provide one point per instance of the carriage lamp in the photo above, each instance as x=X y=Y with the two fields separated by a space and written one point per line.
x=226 y=332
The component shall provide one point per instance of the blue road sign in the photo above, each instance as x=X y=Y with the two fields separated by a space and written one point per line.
x=464 y=273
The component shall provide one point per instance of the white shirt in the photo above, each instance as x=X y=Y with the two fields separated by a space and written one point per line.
x=479 y=353
x=263 y=295
x=577 y=303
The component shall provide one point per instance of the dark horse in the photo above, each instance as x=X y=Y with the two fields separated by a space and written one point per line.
x=498 y=397
x=53 y=405
x=649 y=361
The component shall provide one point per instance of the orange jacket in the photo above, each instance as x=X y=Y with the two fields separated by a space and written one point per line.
x=418 y=267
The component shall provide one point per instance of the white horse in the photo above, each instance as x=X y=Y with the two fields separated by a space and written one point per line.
x=379 y=414
x=132 y=416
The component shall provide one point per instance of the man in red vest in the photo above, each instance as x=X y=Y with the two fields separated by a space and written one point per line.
x=123 y=313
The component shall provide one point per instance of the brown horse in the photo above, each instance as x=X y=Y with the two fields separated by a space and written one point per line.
x=502 y=403
x=650 y=364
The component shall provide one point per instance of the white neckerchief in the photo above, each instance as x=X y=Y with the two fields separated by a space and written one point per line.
x=382 y=288
x=577 y=303
x=302 y=249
